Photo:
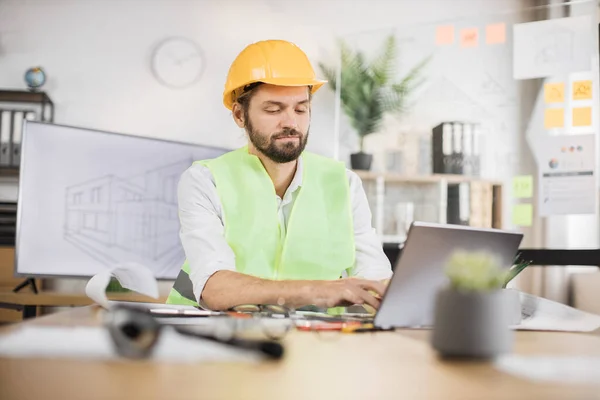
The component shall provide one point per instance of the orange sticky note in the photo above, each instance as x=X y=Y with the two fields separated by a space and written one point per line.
x=495 y=33
x=469 y=37
x=554 y=92
x=444 y=34
x=582 y=116
x=582 y=90
x=554 y=118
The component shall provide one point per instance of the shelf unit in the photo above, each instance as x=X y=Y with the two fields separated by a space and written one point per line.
x=439 y=181
x=16 y=101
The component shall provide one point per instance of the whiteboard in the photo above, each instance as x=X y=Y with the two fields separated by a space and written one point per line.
x=90 y=200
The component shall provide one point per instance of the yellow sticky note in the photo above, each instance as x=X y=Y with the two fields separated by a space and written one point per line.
x=582 y=90
x=523 y=187
x=495 y=33
x=522 y=214
x=469 y=37
x=582 y=116
x=554 y=92
x=444 y=34
x=554 y=118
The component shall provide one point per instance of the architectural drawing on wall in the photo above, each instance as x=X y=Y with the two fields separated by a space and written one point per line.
x=491 y=86
x=443 y=96
x=113 y=218
x=554 y=47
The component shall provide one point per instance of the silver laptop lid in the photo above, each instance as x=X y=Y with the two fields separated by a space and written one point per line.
x=419 y=271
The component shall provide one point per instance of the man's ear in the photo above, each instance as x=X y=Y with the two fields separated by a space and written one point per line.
x=238 y=115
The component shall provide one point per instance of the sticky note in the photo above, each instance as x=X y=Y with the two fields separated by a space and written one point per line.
x=582 y=116
x=554 y=118
x=582 y=90
x=444 y=34
x=495 y=33
x=522 y=214
x=554 y=92
x=469 y=37
x=523 y=187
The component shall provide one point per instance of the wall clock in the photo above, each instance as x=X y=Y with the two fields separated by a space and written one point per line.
x=177 y=62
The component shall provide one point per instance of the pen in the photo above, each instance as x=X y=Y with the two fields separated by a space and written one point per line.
x=170 y=312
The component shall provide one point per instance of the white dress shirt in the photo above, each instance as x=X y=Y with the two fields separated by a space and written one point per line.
x=203 y=237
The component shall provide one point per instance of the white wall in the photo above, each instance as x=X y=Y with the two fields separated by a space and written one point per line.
x=97 y=56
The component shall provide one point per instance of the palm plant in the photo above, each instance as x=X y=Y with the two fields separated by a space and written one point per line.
x=368 y=90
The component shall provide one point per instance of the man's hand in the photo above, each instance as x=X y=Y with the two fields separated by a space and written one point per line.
x=348 y=291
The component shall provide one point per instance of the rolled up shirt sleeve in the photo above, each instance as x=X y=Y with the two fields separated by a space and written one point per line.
x=202 y=229
x=371 y=261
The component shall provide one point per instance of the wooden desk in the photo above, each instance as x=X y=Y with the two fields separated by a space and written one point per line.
x=386 y=365
x=28 y=302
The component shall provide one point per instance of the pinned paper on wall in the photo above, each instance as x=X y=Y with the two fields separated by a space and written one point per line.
x=554 y=118
x=566 y=175
x=495 y=33
x=469 y=37
x=552 y=47
x=582 y=90
x=554 y=92
x=582 y=116
x=444 y=34
x=522 y=214
x=523 y=187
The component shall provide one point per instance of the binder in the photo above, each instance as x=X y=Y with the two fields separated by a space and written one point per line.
x=15 y=140
x=6 y=118
x=476 y=158
x=17 y=134
x=458 y=209
x=457 y=148
x=442 y=148
x=468 y=149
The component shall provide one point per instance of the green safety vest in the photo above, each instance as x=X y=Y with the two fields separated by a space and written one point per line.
x=319 y=240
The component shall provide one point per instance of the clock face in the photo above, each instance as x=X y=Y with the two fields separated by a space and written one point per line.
x=177 y=62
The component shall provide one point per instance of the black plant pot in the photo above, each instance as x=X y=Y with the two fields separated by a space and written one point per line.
x=361 y=161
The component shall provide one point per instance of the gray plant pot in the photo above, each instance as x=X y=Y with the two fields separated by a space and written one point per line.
x=472 y=325
x=361 y=161
x=514 y=305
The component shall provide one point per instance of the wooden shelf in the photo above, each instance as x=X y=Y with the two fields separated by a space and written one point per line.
x=10 y=172
x=23 y=96
x=422 y=179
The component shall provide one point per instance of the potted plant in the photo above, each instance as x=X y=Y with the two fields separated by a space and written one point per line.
x=473 y=313
x=368 y=91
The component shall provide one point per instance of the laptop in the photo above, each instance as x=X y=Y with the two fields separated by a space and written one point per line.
x=419 y=272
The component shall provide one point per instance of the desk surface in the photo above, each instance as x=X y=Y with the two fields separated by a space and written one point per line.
x=362 y=366
x=67 y=299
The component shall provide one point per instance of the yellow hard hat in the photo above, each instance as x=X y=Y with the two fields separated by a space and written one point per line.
x=276 y=62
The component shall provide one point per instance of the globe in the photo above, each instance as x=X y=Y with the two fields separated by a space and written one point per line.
x=35 y=77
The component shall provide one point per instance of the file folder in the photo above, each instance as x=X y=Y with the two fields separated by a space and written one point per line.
x=457 y=148
x=15 y=140
x=442 y=148
x=6 y=120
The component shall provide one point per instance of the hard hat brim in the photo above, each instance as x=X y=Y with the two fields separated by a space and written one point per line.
x=314 y=83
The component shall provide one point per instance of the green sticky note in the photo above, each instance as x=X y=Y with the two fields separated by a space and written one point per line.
x=522 y=214
x=523 y=187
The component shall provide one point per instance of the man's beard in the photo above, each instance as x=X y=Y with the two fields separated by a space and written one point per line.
x=283 y=152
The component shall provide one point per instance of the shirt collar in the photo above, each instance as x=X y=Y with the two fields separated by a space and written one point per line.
x=296 y=182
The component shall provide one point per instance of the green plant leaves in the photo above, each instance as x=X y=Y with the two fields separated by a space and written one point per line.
x=515 y=270
x=475 y=271
x=368 y=90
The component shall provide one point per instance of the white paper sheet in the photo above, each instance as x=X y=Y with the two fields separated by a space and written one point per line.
x=95 y=343
x=552 y=47
x=581 y=370
x=567 y=175
x=547 y=315
x=131 y=276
